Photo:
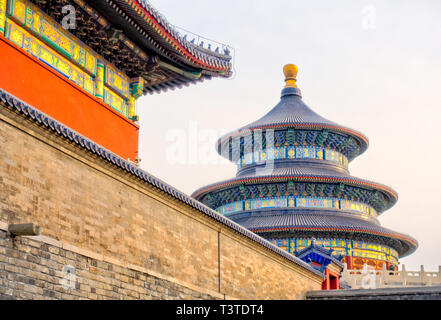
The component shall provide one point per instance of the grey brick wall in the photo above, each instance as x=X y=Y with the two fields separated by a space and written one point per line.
x=32 y=269
x=403 y=293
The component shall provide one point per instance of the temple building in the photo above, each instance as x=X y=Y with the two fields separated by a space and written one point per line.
x=293 y=185
x=85 y=63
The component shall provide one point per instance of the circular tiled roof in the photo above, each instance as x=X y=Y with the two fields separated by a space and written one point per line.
x=292 y=112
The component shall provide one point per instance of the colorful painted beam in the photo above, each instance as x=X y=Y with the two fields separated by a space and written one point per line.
x=68 y=103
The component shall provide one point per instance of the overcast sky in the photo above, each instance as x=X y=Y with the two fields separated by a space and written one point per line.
x=374 y=66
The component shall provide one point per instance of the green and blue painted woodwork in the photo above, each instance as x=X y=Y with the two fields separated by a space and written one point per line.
x=137 y=87
x=39 y=50
x=36 y=33
x=344 y=148
x=116 y=81
x=3 y=8
x=115 y=101
x=99 y=81
x=358 y=208
x=136 y=91
x=347 y=195
x=344 y=247
x=35 y=21
x=307 y=152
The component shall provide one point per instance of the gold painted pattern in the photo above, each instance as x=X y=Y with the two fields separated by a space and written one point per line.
x=357 y=208
x=3 y=7
x=115 y=101
x=117 y=81
x=131 y=104
x=136 y=87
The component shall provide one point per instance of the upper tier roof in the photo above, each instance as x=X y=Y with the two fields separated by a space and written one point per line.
x=292 y=112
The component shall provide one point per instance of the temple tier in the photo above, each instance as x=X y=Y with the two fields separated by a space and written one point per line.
x=293 y=185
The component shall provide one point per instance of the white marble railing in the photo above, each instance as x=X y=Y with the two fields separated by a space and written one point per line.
x=369 y=278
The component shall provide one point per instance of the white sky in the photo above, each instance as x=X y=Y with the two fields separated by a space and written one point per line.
x=374 y=66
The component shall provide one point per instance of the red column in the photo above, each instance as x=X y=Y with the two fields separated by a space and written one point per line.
x=349 y=262
x=326 y=285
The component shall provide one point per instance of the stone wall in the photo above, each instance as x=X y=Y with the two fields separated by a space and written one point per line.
x=36 y=268
x=85 y=203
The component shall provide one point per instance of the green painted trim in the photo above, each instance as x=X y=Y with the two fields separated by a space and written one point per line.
x=10 y=8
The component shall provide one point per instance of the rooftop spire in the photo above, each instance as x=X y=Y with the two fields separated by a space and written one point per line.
x=290 y=71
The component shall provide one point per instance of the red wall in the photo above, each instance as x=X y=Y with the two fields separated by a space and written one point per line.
x=332 y=281
x=43 y=88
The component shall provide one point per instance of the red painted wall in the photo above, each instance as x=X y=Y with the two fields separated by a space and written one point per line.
x=43 y=88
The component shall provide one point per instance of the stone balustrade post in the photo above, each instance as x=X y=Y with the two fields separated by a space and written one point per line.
x=381 y=283
x=403 y=275
x=384 y=276
x=439 y=275
x=422 y=275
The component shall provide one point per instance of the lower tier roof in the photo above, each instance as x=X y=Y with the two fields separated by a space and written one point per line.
x=55 y=127
x=317 y=221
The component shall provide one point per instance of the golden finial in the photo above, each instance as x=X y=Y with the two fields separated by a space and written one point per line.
x=290 y=71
